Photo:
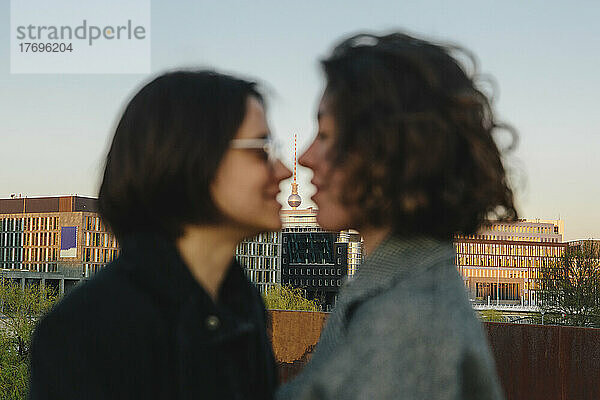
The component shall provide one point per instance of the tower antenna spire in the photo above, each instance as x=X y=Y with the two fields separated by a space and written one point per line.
x=295 y=159
x=294 y=200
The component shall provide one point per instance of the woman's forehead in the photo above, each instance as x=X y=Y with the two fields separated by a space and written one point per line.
x=254 y=124
x=325 y=105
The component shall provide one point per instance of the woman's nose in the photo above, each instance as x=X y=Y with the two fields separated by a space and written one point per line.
x=281 y=171
x=307 y=157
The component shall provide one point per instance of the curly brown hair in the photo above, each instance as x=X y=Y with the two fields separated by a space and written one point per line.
x=415 y=137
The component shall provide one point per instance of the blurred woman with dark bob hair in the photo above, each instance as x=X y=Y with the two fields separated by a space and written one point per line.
x=191 y=172
x=404 y=154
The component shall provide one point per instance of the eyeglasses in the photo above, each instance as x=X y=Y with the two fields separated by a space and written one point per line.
x=268 y=147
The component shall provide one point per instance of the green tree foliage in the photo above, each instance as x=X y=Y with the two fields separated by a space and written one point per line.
x=569 y=289
x=288 y=298
x=19 y=311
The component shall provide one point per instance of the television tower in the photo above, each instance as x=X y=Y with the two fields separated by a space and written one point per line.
x=294 y=200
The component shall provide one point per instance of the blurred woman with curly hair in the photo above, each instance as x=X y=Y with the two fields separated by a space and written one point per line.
x=405 y=154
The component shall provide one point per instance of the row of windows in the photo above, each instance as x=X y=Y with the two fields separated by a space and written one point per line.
x=257 y=249
x=40 y=239
x=493 y=273
x=298 y=229
x=94 y=224
x=266 y=237
x=314 y=282
x=14 y=254
x=18 y=239
x=11 y=254
x=97 y=239
x=323 y=240
x=29 y=254
x=508 y=249
x=87 y=269
x=17 y=254
x=261 y=276
x=299 y=220
x=40 y=254
x=19 y=224
x=12 y=239
x=513 y=238
x=103 y=256
x=502 y=261
x=258 y=262
x=523 y=228
x=313 y=260
x=49 y=239
x=26 y=266
x=312 y=271
x=506 y=291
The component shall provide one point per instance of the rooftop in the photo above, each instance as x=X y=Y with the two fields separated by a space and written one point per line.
x=27 y=205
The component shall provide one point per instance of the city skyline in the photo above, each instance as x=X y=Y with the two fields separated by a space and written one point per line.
x=56 y=128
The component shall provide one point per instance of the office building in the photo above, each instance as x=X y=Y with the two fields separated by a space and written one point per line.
x=261 y=258
x=528 y=230
x=306 y=221
x=499 y=264
x=355 y=249
x=315 y=262
x=55 y=240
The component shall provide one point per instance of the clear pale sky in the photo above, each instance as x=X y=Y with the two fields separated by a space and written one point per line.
x=54 y=129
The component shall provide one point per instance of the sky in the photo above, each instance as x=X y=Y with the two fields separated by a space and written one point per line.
x=55 y=128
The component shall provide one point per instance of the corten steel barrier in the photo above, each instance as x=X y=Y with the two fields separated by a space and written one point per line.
x=546 y=362
x=533 y=361
x=294 y=335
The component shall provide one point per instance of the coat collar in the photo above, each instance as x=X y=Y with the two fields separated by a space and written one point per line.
x=394 y=259
x=154 y=262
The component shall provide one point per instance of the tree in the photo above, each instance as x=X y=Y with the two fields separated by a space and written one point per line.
x=569 y=289
x=19 y=311
x=288 y=298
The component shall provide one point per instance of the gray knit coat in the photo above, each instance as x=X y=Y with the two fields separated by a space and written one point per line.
x=403 y=328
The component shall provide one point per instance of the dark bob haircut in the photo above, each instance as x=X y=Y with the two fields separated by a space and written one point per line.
x=415 y=135
x=166 y=150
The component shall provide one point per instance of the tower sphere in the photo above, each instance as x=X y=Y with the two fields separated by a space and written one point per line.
x=294 y=200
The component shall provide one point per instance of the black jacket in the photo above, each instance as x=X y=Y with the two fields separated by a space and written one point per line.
x=144 y=328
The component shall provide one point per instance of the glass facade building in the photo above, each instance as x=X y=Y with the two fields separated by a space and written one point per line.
x=53 y=238
x=302 y=252
x=499 y=264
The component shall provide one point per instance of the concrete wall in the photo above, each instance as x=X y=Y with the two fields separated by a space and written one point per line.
x=533 y=361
